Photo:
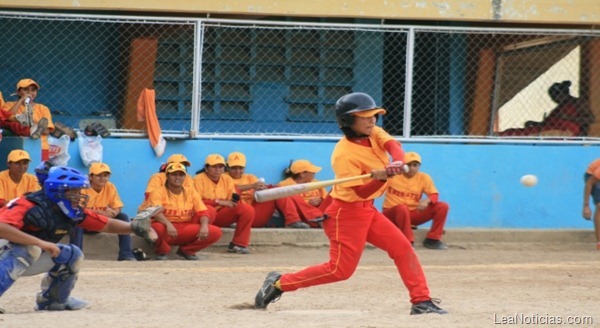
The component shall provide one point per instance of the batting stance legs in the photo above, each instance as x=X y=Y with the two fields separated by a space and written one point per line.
x=349 y=227
x=18 y=260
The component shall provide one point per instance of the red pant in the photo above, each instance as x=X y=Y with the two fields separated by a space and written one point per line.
x=349 y=227
x=187 y=237
x=403 y=218
x=16 y=127
x=242 y=215
x=263 y=211
x=306 y=211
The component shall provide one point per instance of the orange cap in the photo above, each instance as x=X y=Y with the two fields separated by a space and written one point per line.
x=24 y=83
x=99 y=168
x=18 y=155
x=303 y=165
x=236 y=159
x=411 y=157
x=176 y=167
x=214 y=159
x=178 y=158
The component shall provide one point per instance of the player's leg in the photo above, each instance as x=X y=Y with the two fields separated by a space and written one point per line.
x=437 y=213
x=382 y=234
x=242 y=215
x=263 y=211
x=187 y=238
x=125 y=245
x=60 y=280
x=15 y=259
x=161 y=245
x=400 y=216
x=347 y=230
x=290 y=212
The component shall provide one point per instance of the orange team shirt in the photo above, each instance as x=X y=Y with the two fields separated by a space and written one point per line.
x=9 y=189
x=39 y=111
x=177 y=208
x=247 y=196
x=210 y=191
x=158 y=180
x=107 y=197
x=350 y=159
x=402 y=190
x=594 y=169
x=321 y=193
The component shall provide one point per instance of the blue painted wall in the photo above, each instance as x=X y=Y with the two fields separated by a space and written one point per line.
x=481 y=182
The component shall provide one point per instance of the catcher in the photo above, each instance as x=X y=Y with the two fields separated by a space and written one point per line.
x=32 y=225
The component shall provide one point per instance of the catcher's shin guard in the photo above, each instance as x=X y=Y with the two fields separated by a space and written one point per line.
x=141 y=226
x=60 y=281
x=14 y=261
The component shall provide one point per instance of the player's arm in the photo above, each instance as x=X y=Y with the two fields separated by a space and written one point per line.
x=17 y=236
x=379 y=179
x=587 y=191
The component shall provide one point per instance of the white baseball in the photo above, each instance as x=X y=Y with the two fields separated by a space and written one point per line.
x=529 y=180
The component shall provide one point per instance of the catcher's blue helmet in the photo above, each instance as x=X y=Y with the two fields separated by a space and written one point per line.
x=62 y=179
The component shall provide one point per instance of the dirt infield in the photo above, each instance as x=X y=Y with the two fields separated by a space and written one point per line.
x=481 y=285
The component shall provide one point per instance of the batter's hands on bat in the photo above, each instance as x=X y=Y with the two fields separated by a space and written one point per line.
x=381 y=175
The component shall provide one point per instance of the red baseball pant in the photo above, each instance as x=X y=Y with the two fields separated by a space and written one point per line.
x=349 y=227
x=187 y=237
x=403 y=218
x=242 y=215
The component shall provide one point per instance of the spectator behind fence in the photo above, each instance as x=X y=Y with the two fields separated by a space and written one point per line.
x=25 y=117
x=104 y=199
x=571 y=116
x=15 y=181
x=247 y=184
x=405 y=206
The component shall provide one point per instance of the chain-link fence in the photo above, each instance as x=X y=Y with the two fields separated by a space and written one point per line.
x=281 y=79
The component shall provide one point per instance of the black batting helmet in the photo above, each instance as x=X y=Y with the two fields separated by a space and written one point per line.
x=352 y=103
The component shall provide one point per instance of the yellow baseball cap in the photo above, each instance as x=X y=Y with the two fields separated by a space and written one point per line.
x=411 y=157
x=24 y=83
x=176 y=167
x=99 y=168
x=178 y=158
x=303 y=165
x=18 y=155
x=236 y=159
x=370 y=112
x=214 y=159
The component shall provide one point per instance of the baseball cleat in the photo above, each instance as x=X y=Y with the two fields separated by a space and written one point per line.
x=268 y=293
x=72 y=304
x=434 y=244
x=37 y=129
x=233 y=248
x=189 y=257
x=427 y=307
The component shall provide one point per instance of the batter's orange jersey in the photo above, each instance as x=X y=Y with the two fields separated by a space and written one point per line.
x=210 y=191
x=350 y=159
x=247 y=196
x=107 y=197
x=10 y=190
x=408 y=191
x=38 y=110
x=321 y=193
x=594 y=169
x=177 y=208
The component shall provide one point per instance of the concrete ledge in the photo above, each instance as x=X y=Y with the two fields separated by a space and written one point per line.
x=105 y=246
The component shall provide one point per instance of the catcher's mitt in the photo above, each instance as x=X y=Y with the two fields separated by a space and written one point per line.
x=140 y=225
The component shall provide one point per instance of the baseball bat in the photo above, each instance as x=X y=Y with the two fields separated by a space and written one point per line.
x=286 y=191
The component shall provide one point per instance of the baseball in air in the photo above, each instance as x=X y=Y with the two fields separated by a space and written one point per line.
x=529 y=180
